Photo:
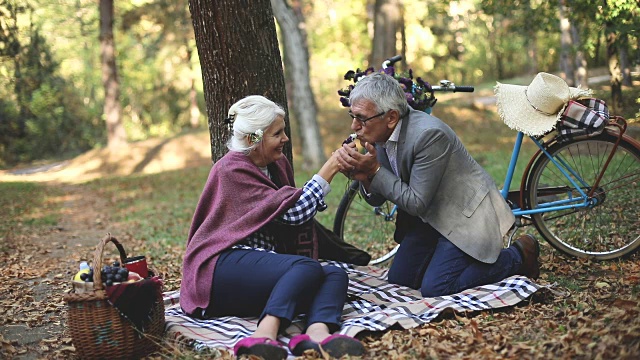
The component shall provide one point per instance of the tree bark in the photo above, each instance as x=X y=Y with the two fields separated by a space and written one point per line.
x=194 y=110
x=296 y=66
x=566 y=45
x=614 y=70
x=623 y=45
x=116 y=135
x=387 y=24
x=580 y=71
x=239 y=55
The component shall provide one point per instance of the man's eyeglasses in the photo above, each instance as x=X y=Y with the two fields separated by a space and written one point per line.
x=364 y=121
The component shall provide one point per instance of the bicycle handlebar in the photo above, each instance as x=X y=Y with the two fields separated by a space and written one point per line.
x=453 y=88
x=445 y=85
x=390 y=61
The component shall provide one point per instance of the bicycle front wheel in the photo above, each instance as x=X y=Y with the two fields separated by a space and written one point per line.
x=366 y=227
x=609 y=227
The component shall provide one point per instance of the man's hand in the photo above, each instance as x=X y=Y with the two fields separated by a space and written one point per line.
x=356 y=165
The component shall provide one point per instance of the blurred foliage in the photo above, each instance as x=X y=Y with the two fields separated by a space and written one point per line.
x=50 y=80
x=41 y=114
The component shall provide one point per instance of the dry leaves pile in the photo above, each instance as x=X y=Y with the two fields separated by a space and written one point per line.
x=590 y=312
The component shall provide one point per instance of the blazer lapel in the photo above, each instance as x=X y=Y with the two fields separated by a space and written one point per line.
x=382 y=156
x=404 y=173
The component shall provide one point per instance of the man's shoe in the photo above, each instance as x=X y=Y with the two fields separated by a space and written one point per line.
x=530 y=250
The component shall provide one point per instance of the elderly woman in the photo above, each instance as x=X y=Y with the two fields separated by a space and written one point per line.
x=251 y=248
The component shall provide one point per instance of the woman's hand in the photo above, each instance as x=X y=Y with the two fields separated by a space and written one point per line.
x=330 y=167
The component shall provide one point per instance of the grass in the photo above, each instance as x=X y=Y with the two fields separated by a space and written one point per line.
x=566 y=282
x=158 y=206
x=27 y=204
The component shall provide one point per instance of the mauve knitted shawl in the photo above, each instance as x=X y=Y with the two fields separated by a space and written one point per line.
x=238 y=199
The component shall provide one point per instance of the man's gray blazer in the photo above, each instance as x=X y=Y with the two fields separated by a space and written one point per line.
x=444 y=186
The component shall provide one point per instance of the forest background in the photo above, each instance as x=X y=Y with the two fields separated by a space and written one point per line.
x=53 y=102
x=70 y=83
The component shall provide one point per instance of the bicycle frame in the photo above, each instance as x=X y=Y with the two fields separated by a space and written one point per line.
x=582 y=201
x=570 y=203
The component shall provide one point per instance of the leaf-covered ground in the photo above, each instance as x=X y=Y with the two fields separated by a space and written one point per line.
x=590 y=312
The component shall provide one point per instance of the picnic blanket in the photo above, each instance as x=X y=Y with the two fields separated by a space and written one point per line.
x=372 y=304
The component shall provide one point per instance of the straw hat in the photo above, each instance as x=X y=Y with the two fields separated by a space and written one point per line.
x=535 y=109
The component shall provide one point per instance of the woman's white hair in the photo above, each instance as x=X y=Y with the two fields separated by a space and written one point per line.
x=249 y=115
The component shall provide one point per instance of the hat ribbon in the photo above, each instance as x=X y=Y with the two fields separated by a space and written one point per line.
x=533 y=106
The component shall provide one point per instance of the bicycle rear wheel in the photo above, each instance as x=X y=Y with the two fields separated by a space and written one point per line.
x=608 y=229
x=367 y=227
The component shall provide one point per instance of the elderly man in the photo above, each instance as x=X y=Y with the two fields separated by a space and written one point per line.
x=451 y=218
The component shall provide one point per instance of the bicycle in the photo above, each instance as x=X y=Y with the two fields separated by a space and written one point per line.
x=582 y=195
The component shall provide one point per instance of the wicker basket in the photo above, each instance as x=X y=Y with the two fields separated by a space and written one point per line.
x=99 y=331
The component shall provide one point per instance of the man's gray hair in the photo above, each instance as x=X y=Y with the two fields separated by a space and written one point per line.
x=248 y=115
x=383 y=90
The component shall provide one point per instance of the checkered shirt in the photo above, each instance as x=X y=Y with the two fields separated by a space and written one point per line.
x=310 y=202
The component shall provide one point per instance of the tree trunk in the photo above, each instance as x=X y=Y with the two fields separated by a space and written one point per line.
x=14 y=51
x=614 y=70
x=623 y=45
x=194 y=110
x=386 y=25
x=239 y=56
x=403 y=65
x=296 y=66
x=566 y=45
x=580 y=70
x=532 y=50
x=495 y=39
x=116 y=135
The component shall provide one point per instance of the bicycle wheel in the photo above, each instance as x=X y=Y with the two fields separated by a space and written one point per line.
x=607 y=229
x=367 y=227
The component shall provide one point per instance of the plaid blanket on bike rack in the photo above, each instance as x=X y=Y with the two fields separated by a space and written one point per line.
x=372 y=304
x=584 y=117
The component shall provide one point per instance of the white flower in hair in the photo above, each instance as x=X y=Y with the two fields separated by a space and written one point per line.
x=257 y=136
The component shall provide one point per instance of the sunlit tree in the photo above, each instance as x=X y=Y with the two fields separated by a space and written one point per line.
x=239 y=55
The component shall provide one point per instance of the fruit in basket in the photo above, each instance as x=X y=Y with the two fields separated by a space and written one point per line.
x=113 y=274
x=109 y=275
x=133 y=276
x=82 y=274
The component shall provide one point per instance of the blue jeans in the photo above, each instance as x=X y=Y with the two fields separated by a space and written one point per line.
x=426 y=260
x=251 y=283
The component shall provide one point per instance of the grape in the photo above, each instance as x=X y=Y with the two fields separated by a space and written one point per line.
x=117 y=278
x=124 y=272
x=115 y=264
x=109 y=282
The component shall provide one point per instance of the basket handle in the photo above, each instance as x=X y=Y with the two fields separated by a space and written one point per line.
x=97 y=259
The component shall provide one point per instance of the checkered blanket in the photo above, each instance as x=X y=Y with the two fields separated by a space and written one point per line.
x=372 y=304
x=584 y=117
